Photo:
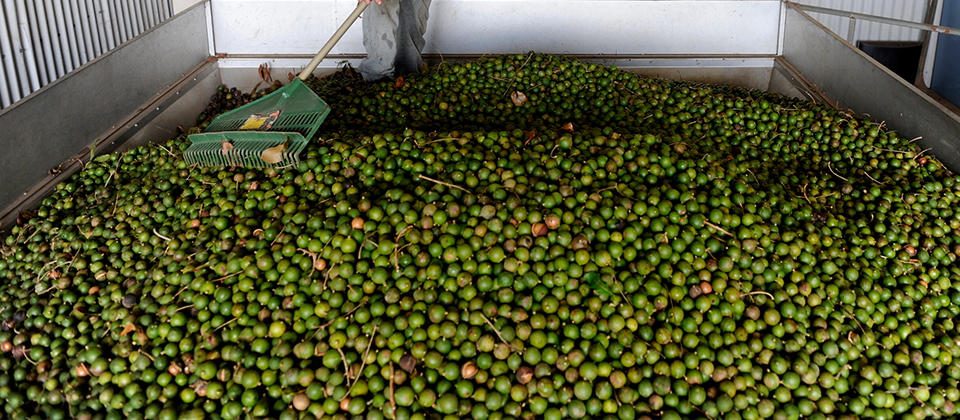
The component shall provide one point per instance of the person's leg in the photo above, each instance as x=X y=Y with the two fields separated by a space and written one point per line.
x=413 y=24
x=380 y=23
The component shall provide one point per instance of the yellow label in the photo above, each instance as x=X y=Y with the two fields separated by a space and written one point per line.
x=254 y=122
x=260 y=121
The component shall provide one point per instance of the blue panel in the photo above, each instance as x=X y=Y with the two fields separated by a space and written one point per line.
x=946 y=68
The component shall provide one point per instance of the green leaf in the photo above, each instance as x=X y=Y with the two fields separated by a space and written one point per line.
x=595 y=283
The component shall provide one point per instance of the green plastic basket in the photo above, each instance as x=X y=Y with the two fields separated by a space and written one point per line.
x=293 y=112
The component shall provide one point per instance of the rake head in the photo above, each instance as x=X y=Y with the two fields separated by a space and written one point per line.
x=270 y=131
x=250 y=149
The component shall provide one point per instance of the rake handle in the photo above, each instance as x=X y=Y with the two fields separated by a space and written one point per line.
x=361 y=5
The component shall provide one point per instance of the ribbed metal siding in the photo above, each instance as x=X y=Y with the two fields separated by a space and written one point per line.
x=42 y=40
x=912 y=10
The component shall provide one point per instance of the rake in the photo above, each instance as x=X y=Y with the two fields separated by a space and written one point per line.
x=271 y=131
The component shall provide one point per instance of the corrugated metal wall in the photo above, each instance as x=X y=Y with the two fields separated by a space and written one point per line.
x=42 y=40
x=912 y=10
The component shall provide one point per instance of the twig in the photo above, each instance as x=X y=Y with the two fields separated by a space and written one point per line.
x=221 y=279
x=360 y=304
x=146 y=354
x=112 y=173
x=834 y=173
x=615 y=187
x=223 y=325
x=854 y=318
x=890 y=150
x=751 y=173
x=82 y=164
x=326 y=277
x=757 y=292
x=72 y=259
x=936 y=414
x=161 y=236
x=439 y=140
x=443 y=183
x=346 y=367
x=281 y=233
x=181 y=291
x=366 y=353
x=396 y=246
x=393 y=403
x=911 y=389
x=872 y=178
x=204 y=265
x=25 y=356
x=495 y=330
x=166 y=150
x=365 y=240
x=843 y=368
x=42 y=273
x=717 y=228
x=514 y=81
x=396 y=256
x=313 y=258
x=115 y=202
x=45 y=291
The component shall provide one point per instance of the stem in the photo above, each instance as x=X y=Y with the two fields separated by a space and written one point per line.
x=365 y=240
x=166 y=150
x=922 y=388
x=366 y=353
x=278 y=236
x=161 y=236
x=495 y=330
x=224 y=325
x=757 y=292
x=181 y=291
x=833 y=172
x=717 y=228
x=439 y=140
x=359 y=305
x=872 y=178
x=397 y=248
x=313 y=258
x=25 y=356
x=396 y=256
x=443 y=183
x=346 y=368
x=146 y=354
x=393 y=402
x=226 y=277
x=112 y=173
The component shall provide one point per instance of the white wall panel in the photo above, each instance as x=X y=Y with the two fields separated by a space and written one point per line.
x=42 y=40
x=912 y=10
x=630 y=27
